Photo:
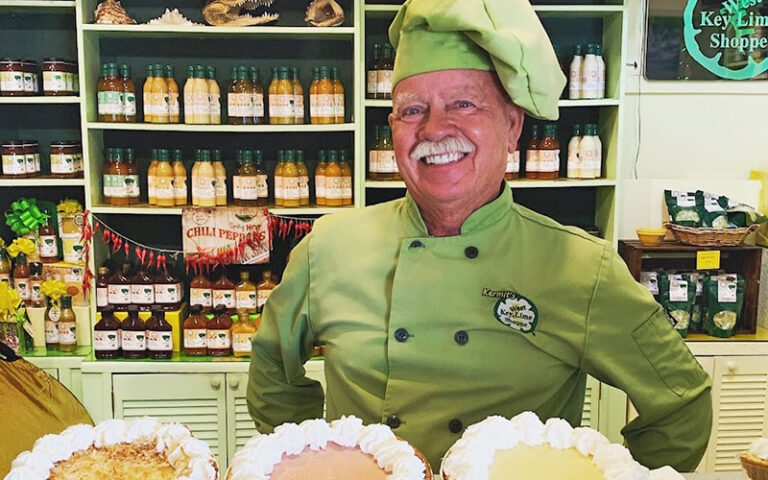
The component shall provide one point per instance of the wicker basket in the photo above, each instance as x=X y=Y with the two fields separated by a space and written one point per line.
x=711 y=237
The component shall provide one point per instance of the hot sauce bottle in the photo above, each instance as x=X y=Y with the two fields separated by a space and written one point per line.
x=224 y=292
x=67 y=326
x=5 y=268
x=532 y=155
x=102 y=288
x=262 y=187
x=167 y=290
x=218 y=334
x=119 y=288
x=291 y=191
x=338 y=96
x=200 y=291
x=159 y=336
x=106 y=335
x=239 y=98
x=133 y=337
x=264 y=289
x=35 y=284
x=245 y=293
x=334 y=190
x=21 y=278
x=303 y=178
x=257 y=97
x=320 y=178
x=48 y=244
x=179 y=179
x=52 y=316
x=110 y=92
x=195 y=343
x=549 y=154
x=242 y=330
x=142 y=290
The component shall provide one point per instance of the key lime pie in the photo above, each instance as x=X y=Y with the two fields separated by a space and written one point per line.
x=141 y=449
x=524 y=448
x=755 y=460
x=318 y=450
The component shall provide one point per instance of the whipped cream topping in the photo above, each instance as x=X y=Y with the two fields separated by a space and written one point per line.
x=189 y=455
x=471 y=457
x=258 y=458
x=759 y=448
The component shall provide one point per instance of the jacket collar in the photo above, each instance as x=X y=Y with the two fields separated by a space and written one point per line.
x=480 y=219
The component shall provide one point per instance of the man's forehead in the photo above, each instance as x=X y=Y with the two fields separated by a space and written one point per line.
x=452 y=92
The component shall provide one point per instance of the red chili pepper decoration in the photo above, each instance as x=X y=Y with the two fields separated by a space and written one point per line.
x=96 y=226
x=127 y=250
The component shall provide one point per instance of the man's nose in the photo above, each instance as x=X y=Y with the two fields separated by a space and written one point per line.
x=436 y=125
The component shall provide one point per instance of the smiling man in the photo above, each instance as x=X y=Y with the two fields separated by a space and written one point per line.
x=454 y=303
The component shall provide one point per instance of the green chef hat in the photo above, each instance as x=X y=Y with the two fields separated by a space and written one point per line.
x=501 y=35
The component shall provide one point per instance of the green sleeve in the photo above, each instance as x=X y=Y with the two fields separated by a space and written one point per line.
x=631 y=345
x=278 y=389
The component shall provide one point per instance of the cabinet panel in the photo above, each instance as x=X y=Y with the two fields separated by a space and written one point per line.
x=54 y=372
x=589 y=417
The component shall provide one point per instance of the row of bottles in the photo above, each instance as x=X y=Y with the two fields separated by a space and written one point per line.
x=543 y=154
x=161 y=95
x=586 y=77
x=142 y=288
x=120 y=177
x=207 y=293
x=381 y=155
x=249 y=183
x=60 y=325
x=133 y=337
x=585 y=153
x=379 y=72
x=116 y=95
x=218 y=336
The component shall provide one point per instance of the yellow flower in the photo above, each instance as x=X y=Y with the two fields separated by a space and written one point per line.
x=21 y=245
x=53 y=288
x=69 y=207
x=9 y=300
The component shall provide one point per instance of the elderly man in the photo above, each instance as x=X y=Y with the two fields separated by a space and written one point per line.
x=453 y=304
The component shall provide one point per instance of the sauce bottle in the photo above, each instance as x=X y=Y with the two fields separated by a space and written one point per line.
x=149 y=107
x=371 y=90
x=257 y=97
x=320 y=178
x=386 y=157
x=313 y=114
x=271 y=91
x=132 y=189
x=244 y=181
x=590 y=71
x=373 y=155
x=129 y=93
x=384 y=75
x=48 y=245
x=160 y=97
x=245 y=293
x=193 y=175
x=159 y=336
x=5 y=268
x=202 y=99
x=173 y=95
x=151 y=179
x=102 y=288
x=574 y=77
x=218 y=334
x=110 y=94
x=119 y=288
x=303 y=178
x=189 y=97
x=133 y=335
x=236 y=101
x=206 y=181
x=242 y=330
x=279 y=195
x=106 y=335
x=532 y=155
x=262 y=187
x=512 y=169
x=220 y=174
x=200 y=291
x=52 y=316
x=333 y=181
x=291 y=193
x=119 y=174
x=338 y=96
x=179 y=179
x=346 y=178
x=264 y=289
x=224 y=292
x=21 y=278
x=168 y=290
x=164 y=180
x=549 y=153
x=589 y=153
x=574 y=164
x=298 y=97
x=35 y=284
x=324 y=100
x=142 y=290
x=67 y=326
x=195 y=342
x=214 y=96
x=281 y=103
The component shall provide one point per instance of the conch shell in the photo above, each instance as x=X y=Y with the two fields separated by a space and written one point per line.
x=111 y=12
x=324 y=13
x=172 y=17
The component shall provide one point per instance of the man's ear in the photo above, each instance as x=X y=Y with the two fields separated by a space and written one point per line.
x=516 y=117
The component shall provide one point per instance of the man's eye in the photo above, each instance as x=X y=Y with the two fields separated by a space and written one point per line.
x=464 y=104
x=411 y=111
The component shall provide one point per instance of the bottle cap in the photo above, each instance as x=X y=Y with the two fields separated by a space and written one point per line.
x=133 y=308
x=196 y=309
x=108 y=309
x=244 y=274
x=247 y=157
x=66 y=301
x=169 y=71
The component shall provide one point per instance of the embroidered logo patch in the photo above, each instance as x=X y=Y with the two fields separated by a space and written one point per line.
x=514 y=310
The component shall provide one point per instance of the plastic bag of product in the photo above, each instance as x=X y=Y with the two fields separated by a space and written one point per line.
x=698 y=305
x=741 y=215
x=712 y=209
x=682 y=208
x=678 y=294
x=650 y=279
x=725 y=299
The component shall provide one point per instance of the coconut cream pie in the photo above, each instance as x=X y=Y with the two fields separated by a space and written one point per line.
x=755 y=460
x=141 y=449
x=317 y=450
x=524 y=448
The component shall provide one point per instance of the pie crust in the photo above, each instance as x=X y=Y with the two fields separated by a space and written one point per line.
x=756 y=467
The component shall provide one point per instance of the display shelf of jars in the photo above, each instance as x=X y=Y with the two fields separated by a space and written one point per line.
x=159 y=31
x=153 y=210
x=181 y=127
x=521 y=183
x=34 y=100
x=42 y=182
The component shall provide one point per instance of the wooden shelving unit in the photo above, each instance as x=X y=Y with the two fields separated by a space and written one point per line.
x=42 y=182
x=39 y=100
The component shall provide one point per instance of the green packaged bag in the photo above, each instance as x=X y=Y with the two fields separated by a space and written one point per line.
x=712 y=209
x=682 y=208
x=741 y=215
x=678 y=294
x=698 y=305
x=725 y=298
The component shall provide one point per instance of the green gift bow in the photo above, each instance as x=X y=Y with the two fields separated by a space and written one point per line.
x=25 y=216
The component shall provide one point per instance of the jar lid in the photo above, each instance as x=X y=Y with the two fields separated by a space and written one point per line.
x=31 y=142
x=62 y=144
x=29 y=60
x=12 y=143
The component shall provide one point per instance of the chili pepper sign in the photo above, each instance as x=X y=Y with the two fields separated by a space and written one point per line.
x=225 y=235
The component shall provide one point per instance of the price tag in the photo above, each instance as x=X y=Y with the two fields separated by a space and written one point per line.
x=708 y=260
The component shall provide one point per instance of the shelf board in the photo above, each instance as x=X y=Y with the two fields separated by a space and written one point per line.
x=42 y=182
x=144 y=209
x=311 y=210
x=522 y=183
x=39 y=99
x=160 y=31
x=375 y=10
x=602 y=102
x=378 y=103
x=181 y=127
x=62 y=6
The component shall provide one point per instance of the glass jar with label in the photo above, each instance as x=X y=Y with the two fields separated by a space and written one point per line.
x=264 y=289
x=106 y=335
x=195 y=342
x=52 y=316
x=142 y=290
x=159 y=336
x=167 y=290
x=245 y=293
x=21 y=278
x=32 y=155
x=119 y=288
x=14 y=159
x=29 y=67
x=48 y=244
x=102 y=288
x=244 y=182
x=242 y=330
x=55 y=81
x=35 y=284
x=67 y=326
x=218 y=332
x=11 y=78
x=133 y=334
x=5 y=268
x=200 y=291
x=63 y=159
x=224 y=292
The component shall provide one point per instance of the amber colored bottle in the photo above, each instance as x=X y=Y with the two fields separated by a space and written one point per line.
x=224 y=292
x=333 y=181
x=549 y=154
x=159 y=336
x=142 y=290
x=21 y=278
x=320 y=178
x=179 y=179
x=149 y=107
x=245 y=293
x=262 y=187
x=218 y=332
x=5 y=268
x=532 y=155
x=102 y=288
x=281 y=103
x=67 y=326
x=119 y=171
x=48 y=244
x=338 y=96
x=119 y=288
x=279 y=195
x=109 y=87
x=151 y=178
x=52 y=316
x=242 y=330
x=264 y=289
x=168 y=290
x=195 y=343
x=133 y=334
x=37 y=299
x=200 y=291
x=298 y=97
x=291 y=192
x=240 y=97
x=106 y=335
x=160 y=96
x=173 y=95
x=271 y=91
x=303 y=178
x=257 y=96
x=129 y=93
x=313 y=98
x=346 y=178
x=164 y=176
x=244 y=181
x=132 y=177
x=325 y=112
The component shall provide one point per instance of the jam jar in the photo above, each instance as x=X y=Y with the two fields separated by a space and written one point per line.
x=32 y=155
x=63 y=159
x=11 y=78
x=14 y=160
x=74 y=78
x=30 y=76
x=55 y=73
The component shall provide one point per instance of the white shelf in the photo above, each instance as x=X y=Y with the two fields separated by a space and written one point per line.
x=155 y=31
x=39 y=99
x=523 y=183
x=181 y=127
x=378 y=103
x=602 y=102
x=151 y=210
x=42 y=182
x=561 y=10
x=36 y=4
x=311 y=210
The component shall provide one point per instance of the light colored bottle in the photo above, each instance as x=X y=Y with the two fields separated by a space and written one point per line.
x=590 y=73
x=597 y=170
x=600 y=71
x=164 y=176
x=206 y=181
x=160 y=95
x=179 y=179
x=202 y=103
x=245 y=293
x=221 y=178
x=346 y=178
x=195 y=168
x=574 y=83
x=67 y=326
x=147 y=96
x=291 y=192
x=338 y=95
x=298 y=97
x=588 y=151
x=279 y=196
x=320 y=178
x=189 y=96
x=242 y=331
x=214 y=96
x=303 y=178
x=173 y=95
x=574 y=163
x=151 y=177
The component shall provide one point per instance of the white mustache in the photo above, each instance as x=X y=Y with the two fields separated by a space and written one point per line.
x=445 y=150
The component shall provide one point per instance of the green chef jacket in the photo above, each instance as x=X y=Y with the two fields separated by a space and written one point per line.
x=432 y=334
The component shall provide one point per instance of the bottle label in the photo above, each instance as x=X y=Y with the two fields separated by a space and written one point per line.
x=346 y=187
x=258 y=105
x=532 y=161
x=180 y=188
x=148 y=107
x=53 y=82
x=239 y=105
x=47 y=246
x=195 y=338
x=31 y=166
x=224 y=297
x=279 y=187
x=373 y=161
x=142 y=294
x=5 y=278
x=54 y=314
x=245 y=188
x=29 y=82
x=131 y=182
x=384 y=82
x=371 y=82
x=214 y=105
x=106 y=182
x=159 y=341
x=201 y=104
x=549 y=161
x=168 y=293
x=133 y=341
x=291 y=188
x=324 y=107
x=13 y=81
x=14 y=164
x=36 y=295
x=173 y=103
x=218 y=339
x=200 y=296
x=160 y=103
x=22 y=288
x=304 y=187
x=262 y=296
x=338 y=105
x=151 y=185
x=51 y=332
x=163 y=188
x=74 y=275
x=262 y=189
x=106 y=340
x=298 y=107
x=245 y=299
x=280 y=105
x=333 y=188
x=205 y=187
x=220 y=187
x=129 y=104
x=119 y=187
x=67 y=333
x=241 y=342
x=62 y=163
x=110 y=103
x=119 y=294
x=320 y=186
x=102 y=296
x=513 y=162
x=189 y=107
x=386 y=161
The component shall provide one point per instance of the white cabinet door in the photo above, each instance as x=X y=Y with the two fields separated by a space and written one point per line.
x=590 y=415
